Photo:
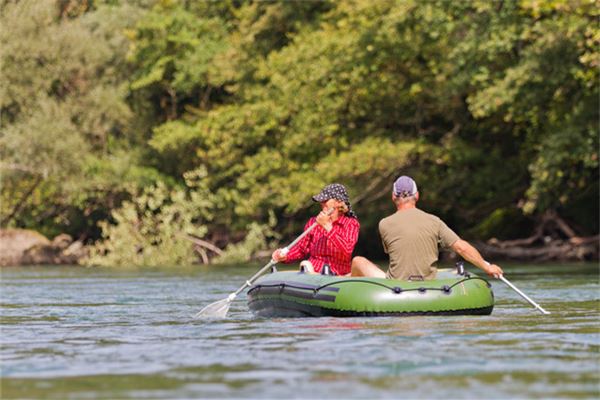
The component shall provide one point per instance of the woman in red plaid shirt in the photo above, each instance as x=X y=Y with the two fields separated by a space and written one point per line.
x=332 y=242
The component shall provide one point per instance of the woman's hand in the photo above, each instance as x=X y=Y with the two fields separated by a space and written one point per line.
x=279 y=255
x=324 y=219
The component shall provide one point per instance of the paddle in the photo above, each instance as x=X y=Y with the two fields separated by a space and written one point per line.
x=219 y=309
x=513 y=287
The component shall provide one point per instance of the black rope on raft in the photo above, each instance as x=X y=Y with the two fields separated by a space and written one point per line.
x=394 y=289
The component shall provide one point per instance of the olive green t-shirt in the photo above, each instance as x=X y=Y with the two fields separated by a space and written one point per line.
x=412 y=239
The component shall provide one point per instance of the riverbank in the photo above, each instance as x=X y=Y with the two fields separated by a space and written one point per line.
x=22 y=247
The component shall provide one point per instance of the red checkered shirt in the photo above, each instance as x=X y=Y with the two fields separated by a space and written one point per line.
x=333 y=248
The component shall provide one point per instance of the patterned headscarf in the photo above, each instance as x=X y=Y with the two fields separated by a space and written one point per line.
x=335 y=191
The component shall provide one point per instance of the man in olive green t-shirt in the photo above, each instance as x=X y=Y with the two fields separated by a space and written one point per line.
x=412 y=239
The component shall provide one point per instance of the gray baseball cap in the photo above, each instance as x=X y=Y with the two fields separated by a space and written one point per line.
x=404 y=186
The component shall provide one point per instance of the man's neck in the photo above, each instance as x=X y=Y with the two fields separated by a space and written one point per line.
x=406 y=206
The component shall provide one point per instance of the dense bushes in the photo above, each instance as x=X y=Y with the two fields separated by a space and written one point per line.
x=491 y=106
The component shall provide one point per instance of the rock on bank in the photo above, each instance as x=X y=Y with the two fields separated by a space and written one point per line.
x=27 y=247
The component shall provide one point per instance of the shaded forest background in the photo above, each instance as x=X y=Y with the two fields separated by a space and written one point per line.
x=169 y=132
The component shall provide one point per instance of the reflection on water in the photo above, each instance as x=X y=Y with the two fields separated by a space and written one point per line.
x=76 y=333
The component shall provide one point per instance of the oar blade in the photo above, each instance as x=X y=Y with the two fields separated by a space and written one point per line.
x=218 y=309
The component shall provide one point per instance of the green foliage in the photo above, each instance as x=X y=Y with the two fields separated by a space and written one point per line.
x=491 y=106
x=173 y=51
x=64 y=114
x=259 y=237
x=503 y=223
x=151 y=229
x=546 y=91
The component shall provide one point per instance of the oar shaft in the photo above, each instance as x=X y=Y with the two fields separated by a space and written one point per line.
x=523 y=295
x=220 y=308
x=299 y=238
x=273 y=262
x=255 y=276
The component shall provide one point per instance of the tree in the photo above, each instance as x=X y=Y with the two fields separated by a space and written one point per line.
x=66 y=121
x=491 y=106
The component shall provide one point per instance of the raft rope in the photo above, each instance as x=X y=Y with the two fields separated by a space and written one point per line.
x=395 y=289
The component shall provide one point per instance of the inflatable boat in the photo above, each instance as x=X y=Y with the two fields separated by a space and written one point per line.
x=299 y=294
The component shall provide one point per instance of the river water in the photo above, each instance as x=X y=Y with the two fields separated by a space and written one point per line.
x=81 y=333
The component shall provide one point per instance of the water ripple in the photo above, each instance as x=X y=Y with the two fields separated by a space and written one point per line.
x=77 y=333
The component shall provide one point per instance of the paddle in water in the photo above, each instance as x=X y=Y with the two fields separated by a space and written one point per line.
x=523 y=295
x=513 y=287
x=219 y=309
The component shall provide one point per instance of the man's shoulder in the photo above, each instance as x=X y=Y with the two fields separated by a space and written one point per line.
x=387 y=219
x=390 y=221
x=408 y=215
x=427 y=215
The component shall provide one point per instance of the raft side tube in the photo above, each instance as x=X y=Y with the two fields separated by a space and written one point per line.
x=293 y=294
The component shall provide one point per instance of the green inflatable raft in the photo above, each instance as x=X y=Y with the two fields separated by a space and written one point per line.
x=297 y=294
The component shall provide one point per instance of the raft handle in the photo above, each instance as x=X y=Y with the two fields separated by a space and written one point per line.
x=326 y=270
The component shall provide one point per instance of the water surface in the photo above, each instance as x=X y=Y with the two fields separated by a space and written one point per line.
x=74 y=333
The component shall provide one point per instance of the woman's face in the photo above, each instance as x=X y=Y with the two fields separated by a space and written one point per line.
x=331 y=203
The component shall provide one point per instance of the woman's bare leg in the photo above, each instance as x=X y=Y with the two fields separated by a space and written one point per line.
x=363 y=267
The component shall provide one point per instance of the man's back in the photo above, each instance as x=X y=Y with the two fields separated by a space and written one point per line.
x=412 y=239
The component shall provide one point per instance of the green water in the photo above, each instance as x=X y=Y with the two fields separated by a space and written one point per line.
x=77 y=333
